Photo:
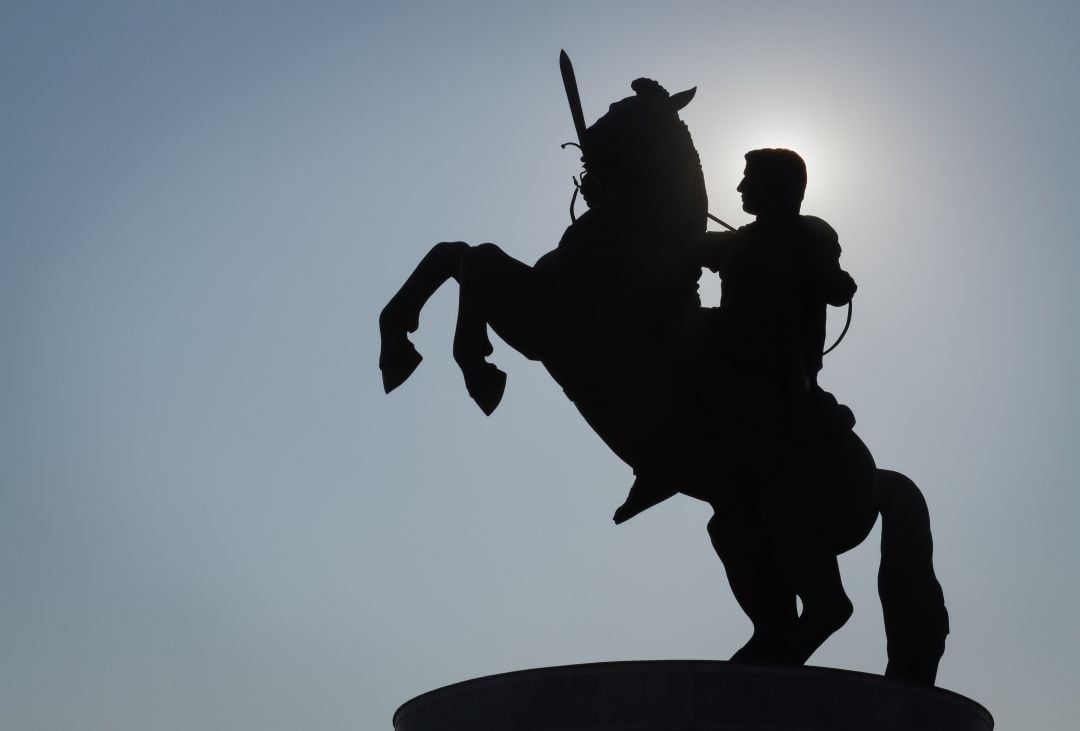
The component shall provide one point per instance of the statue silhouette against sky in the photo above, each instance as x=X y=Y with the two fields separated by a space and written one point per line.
x=720 y=404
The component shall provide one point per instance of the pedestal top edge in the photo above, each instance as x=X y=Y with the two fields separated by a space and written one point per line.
x=708 y=667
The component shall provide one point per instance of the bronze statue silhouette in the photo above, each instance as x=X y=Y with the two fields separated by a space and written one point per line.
x=720 y=404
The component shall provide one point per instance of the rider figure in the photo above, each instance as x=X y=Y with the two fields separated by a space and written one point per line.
x=778 y=275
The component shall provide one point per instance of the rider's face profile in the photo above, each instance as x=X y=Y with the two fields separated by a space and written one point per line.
x=767 y=192
x=751 y=192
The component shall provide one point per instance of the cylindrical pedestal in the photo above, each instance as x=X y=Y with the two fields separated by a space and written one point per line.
x=688 y=695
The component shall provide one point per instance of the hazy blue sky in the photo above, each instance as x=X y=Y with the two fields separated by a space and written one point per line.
x=212 y=518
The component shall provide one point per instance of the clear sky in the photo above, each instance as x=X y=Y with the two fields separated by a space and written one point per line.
x=212 y=518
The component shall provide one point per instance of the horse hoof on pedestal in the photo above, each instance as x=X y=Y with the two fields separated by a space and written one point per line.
x=486 y=385
x=397 y=362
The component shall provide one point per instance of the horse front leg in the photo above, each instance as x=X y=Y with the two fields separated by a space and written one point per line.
x=398 y=358
x=484 y=381
x=499 y=290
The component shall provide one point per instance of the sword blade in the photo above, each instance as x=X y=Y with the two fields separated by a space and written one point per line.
x=572 y=96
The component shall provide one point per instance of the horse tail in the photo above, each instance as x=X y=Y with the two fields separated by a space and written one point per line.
x=916 y=621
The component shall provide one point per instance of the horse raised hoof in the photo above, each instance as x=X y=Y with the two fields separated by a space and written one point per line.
x=397 y=361
x=485 y=384
x=398 y=358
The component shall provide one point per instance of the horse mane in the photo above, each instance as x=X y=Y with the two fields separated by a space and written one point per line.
x=661 y=165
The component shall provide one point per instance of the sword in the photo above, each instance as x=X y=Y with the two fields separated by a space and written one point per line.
x=572 y=96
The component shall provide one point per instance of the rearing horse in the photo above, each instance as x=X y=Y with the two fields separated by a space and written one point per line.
x=596 y=311
x=614 y=316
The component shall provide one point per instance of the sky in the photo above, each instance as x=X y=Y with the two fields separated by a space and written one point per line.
x=212 y=517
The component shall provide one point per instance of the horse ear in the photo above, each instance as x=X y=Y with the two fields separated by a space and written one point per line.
x=680 y=100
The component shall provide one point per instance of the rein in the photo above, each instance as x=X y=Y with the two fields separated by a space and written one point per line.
x=847 y=324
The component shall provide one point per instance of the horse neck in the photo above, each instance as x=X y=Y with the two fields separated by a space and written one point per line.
x=676 y=190
x=676 y=208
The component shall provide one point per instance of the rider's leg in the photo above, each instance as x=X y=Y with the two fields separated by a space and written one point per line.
x=398 y=358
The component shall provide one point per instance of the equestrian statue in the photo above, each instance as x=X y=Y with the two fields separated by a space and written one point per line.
x=719 y=404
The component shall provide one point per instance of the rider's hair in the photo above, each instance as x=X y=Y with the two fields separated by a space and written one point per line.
x=784 y=172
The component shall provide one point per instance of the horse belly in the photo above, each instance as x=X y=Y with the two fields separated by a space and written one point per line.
x=848 y=507
x=639 y=405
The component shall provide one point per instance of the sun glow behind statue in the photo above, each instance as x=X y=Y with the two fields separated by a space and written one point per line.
x=723 y=165
x=820 y=153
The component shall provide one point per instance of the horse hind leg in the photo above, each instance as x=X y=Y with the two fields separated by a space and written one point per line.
x=398 y=358
x=826 y=606
x=763 y=591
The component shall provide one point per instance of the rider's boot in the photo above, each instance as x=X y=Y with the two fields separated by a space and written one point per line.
x=644 y=493
x=398 y=358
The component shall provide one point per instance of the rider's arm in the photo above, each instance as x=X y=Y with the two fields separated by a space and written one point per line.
x=833 y=284
x=838 y=287
x=716 y=250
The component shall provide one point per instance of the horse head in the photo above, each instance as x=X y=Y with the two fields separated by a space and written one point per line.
x=641 y=154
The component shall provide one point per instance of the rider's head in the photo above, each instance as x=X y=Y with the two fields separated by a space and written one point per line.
x=773 y=183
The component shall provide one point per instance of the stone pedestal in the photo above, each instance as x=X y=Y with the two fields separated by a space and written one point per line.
x=688 y=695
